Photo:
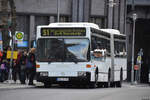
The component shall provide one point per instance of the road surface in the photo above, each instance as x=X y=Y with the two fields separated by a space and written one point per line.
x=127 y=92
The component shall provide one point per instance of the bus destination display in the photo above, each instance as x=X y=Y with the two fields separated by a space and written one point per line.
x=63 y=31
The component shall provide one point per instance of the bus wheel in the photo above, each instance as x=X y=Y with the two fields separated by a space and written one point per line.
x=109 y=76
x=100 y=85
x=119 y=83
x=94 y=84
x=47 y=85
x=96 y=77
x=106 y=84
x=112 y=84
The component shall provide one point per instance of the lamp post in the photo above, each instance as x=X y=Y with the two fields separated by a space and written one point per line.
x=58 y=12
x=110 y=13
x=134 y=16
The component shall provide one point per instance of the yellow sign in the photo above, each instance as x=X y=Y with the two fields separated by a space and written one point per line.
x=19 y=35
x=15 y=53
x=63 y=31
x=139 y=58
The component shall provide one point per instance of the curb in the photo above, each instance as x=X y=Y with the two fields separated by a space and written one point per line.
x=136 y=85
x=9 y=84
x=14 y=86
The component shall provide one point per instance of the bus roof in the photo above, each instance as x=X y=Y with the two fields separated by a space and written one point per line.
x=112 y=31
x=83 y=24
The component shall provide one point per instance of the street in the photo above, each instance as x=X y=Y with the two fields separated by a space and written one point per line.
x=127 y=92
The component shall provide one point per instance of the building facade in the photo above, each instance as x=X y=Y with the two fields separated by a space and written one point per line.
x=105 y=13
x=142 y=35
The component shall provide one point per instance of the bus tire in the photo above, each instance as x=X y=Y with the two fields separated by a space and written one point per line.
x=100 y=84
x=96 y=76
x=119 y=83
x=47 y=85
x=106 y=84
x=112 y=84
x=94 y=84
x=109 y=76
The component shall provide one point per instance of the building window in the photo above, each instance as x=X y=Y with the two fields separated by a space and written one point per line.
x=63 y=19
x=23 y=25
x=99 y=21
x=41 y=20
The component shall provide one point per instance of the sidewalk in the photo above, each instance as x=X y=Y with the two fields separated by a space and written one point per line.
x=11 y=85
x=128 y=84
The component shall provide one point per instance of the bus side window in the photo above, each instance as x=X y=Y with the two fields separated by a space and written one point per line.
x=99 y=54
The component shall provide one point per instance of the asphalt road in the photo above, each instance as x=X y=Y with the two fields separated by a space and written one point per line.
x=61 y=93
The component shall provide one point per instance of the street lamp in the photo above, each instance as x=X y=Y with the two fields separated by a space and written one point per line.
x=58 y=12
x=134 y=16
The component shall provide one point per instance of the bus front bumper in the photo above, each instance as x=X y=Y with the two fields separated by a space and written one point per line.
x=56 y=80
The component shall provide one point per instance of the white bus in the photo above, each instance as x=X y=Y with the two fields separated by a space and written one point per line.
x=80 y=54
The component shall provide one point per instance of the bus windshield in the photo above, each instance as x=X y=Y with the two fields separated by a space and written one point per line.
x=63 y=50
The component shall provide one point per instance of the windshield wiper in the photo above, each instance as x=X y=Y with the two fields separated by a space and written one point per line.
x=74 y=60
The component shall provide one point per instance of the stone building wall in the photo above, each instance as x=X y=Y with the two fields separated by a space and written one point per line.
x=31 y=13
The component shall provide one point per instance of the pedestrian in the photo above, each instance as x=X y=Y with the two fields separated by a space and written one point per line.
x=16 y=67
x=4 y=62
x=23 y=67
x=14 y=70
x=3 y=71
x=4 y=53
x=1 y=55
x=31 y=66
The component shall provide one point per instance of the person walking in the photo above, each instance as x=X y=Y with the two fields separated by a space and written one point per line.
x=31 y=66
x=4 y=64
x=16 y=67
x=3 y=70
x=1 y=54
x=23 y=67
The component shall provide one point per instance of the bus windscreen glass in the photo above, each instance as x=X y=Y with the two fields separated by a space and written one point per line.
x=63 y=50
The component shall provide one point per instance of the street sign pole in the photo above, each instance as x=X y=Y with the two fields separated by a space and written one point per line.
x=58 y=10
x=18 y=36
x=133 y=43
x=11 y=60
x=140 y=73
x=136 y=68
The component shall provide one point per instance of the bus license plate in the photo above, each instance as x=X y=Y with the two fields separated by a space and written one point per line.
x=62 y=79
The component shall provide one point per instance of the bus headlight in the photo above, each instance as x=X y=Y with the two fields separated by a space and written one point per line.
x=43 y=73
x=81 y=73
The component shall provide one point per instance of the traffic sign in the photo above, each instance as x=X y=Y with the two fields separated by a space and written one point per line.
x=136 y=67
x=139 y=59
x=15 y=53
x=19 y=35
